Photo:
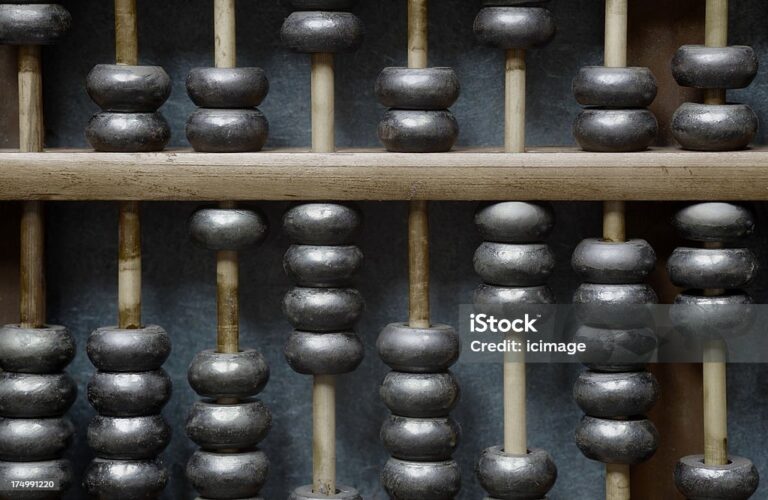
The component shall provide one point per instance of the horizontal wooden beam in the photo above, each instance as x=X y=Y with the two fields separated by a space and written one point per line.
x=546 y=174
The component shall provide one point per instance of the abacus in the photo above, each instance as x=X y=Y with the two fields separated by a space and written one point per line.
x=319 y=273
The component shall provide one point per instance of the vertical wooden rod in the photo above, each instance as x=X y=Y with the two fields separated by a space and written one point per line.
x=323 y=103
x=129 y=266
x=225 y=33
x=418 y=264
x=616 y=33
x=514 y=102
x=614 y=226
x=716 y=35
x=617 y=482
x=126 y=33
x=418 y=32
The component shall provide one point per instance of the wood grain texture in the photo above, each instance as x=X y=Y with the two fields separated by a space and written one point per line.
x=418 y=264
x=126 y=33
x=129 y=266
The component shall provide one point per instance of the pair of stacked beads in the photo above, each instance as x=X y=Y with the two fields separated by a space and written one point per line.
x=713 y=308
x=33 y=22
x=229 y=423
x=322 y=27
x=714 y=127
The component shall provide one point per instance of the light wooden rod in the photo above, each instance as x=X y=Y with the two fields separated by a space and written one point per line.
x=418 y=264
x=323 y=104
x=617 y=482
x=418 y=33
x=324 y=434
x=616 y=15
x=129 y=266
x=225 y=33
x=514 y=101
x=126 y=33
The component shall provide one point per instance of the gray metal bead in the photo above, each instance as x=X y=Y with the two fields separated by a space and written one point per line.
x=128 y=132
x=617 y=441
x=323 y=309
x=131 y=438
x=416 y=131
x=420 y=439
x=34 y=439
x=515 y=222
x=418 y=350
x=406 y=480
x=615 y=87
x=323 y=353
x=322 y=32
x=212 y=130
x=514 y=265
x=516 y=477
x=519 y=3
x=711 y=267
x=114 y=349
x=718 y=317
x=342 y=493
x=227 y=229
x=129 y=394
x=616 y=350
x=420 y=395
x=128 y=89
x=514 y=27
x=737 y=480
x=714 y=221
x=58 y=471
x=228 y=426
x=33 y=24
x=614 y=306
x=221 y=375
x=615 y=130
x=510 y=301
x=228 y=475
x=47 y=349
x=322 y=265
x=322 y=223
x=227 y=87
x=26 y=395
x=611 y=395
x=709 y=127
x=600 y=261
x=704 y=67
x=125 y=479
x=320 y=4
x=417 y=88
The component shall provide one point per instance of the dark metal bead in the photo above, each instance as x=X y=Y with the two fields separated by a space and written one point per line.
x=26 y=395
x=515 y=222
x=34 y=439
x=514 y=27
x=228 y=475
x=131 y=438
x=129 y=394
x=227 y=87
x=616 y=350
x=342 y=493
x=420 y=395
x=321 y=223
x=320 y=4
x=128 y=89
x=216 y=426
x=420 y=439
x=227 y=229
x=323 y=353
x=128 y=132
x=614 y=87
x=709 y=127
x=406 y=480
x=614 y=306
x=322 y=265
x=617 y=441
x=212 y=130
x=519 y=3
x=615 y=130
x=711 y=267
x=58 y=471
x=322 y=32
x=417 y=88
x=114 y=349
x=736 y=480
x=516 y=477
x=125 y=479
x=704 y=316
x=514 y=265
x=418 y=350
x=222 y=375
x=416 y=131
x=323 y=309
x=606 y=262
x=33 y=24
x=511 y=301
x=48 y=349
x=714 y=67
x=610 y=395
x=714 y=221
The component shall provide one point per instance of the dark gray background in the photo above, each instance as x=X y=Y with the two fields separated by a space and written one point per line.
x=179 y=278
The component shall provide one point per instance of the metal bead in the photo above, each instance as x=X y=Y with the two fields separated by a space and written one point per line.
x=342 y=493
x=132 y=438
x=416 y=131
x=47 y=349
x=519 y=3
x=212 y=130
x=420 y=395
x=417 y=88
x=227 y=87
x=128 y=132
x=714 y=67
x=228 y=475
x=228 y=426
x=125 y=479
x=321 y=223
x=615 y=130
x=617 y=441
x=515 y=222
x=514 y=265
x=34 y=439
x=514 y=27
x=616 y=350
x=322 y=32
x=323 y=353
x=611 y=395
x=711 y=267
x=58 y=471
x=320 y=4
x=714 y=221
x=227 y=229
x=323 y=309
x=615 y=87
x=736 y=480
x=718 y=317
x=223 y=375
x=322 y=265
x=420 y=439
x=511 y=301
x=26 y=395
x=405 y=480
x=418 y=350
x=606 y=262
x=614 y=306
x=516 y=477
x=709 y=127
x=129 y=394
x=142 y=349
x=128 y=89
x=33 y=24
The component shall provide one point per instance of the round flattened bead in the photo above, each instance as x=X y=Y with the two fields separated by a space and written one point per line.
x=711 y=267
x=599 y=293
x=515 y=222
x=714 y=221
x=212 y=130
x=223 y=375
x=418 y=350
x=322 y=265
x=704 y=67
x=420 y=439
x=342 y=493
x=709 y=127
x=420 y=395
x=323 y=353
x=227 y=229
x=128 y=394
x=320 y=4
x=737 y=480
x=228 y=426
x=48 y=349
x=323 y=309
x=132 y=438
x=606 y=262
x=614 y=306
x=706 y=316
x=512 y=301
x=228 y=475
x=514 y=265
x=519 y=3
x=516 y=477
x=417 y=88
x=34 y=439
x=107 y=479
x=407 y=480
x=322 y=32
x=128 y=132
x=128 y=89
x=33 y=24
x=58 y=471
x=26 y=395
x=616 y=350
x=321 y=223
x=514 y=27
x=615 y=87
x=417 y=131
x=610 y=395
x=615 y=130
x=227 y=87
x=617 y=441
x=116 y=349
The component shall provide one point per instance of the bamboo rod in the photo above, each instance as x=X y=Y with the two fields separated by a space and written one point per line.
x=418 y=33
x=716 y=35
x=418 y=264
x=225 y=33
x=323 y=103
x=617 y=482
x=129 y=266
x=126 y=33
x=514 y=102
x=228 y=330
x=324 y=435
x=616 y=33
x=614 y=226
